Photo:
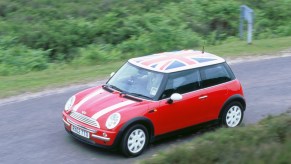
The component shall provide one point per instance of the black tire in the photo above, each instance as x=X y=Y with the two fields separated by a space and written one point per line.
x=137 y=149
x=231 y=116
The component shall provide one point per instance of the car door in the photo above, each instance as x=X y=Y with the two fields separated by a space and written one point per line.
x=214 y=84
x=182 y=113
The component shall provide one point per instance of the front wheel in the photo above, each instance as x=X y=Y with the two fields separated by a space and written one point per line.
x=134 y=141
x=233 y=115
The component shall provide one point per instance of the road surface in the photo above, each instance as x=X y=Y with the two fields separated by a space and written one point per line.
x=32 y=130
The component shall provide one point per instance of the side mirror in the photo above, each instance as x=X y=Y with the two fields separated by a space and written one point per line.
x=112 y=73
x=175 y=97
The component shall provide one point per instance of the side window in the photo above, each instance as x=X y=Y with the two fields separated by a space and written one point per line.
x=215 y=74
x=181 y=82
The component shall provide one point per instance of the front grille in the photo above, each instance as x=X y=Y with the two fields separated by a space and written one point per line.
x=84 y=119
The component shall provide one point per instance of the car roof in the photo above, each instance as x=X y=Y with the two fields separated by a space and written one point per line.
x=168 y=62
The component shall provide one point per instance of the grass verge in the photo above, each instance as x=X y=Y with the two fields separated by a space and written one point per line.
x=63 y=75
x=269 y=141
x=258 y=47
x=54 y=77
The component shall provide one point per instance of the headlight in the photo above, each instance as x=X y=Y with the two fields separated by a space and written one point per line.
x=113 y=120
x=70 y=103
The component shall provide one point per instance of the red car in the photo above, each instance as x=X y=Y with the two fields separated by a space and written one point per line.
x=153 y=96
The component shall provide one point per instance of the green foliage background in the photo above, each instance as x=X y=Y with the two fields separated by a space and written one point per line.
x=34 y=33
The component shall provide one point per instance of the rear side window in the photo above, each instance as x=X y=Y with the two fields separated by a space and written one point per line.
x=181 y=82
x=215 y=74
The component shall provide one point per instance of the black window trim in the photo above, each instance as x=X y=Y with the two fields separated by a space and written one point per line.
x=198 y=90
x=164 y=83
x=227 y=69
x=166 y=76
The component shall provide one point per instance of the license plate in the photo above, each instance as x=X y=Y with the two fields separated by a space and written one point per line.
x=80 y=132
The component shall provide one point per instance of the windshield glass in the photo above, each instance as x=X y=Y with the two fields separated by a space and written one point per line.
x=136 y=81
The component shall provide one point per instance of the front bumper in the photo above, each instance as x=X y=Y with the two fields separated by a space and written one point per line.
x=97 y=137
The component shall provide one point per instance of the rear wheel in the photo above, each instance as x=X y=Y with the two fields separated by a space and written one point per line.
x=233 y=114
x=134 y=141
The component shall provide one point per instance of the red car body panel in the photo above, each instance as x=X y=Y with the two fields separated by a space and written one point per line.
x=166 y=117
x=193 y=110
x=196 y=107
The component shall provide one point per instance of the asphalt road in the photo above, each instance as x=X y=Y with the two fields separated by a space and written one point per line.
x=32 y=131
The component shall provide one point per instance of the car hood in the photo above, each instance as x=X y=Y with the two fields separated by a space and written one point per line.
x=97 y=102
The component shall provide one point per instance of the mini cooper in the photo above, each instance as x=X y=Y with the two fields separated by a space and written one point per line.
x=154 y=96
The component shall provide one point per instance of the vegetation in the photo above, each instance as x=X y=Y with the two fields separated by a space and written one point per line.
x=36 y=33
x=49 y=43
x=55 y=76
x=236 y=48
x=267 y=142
x=58 y=75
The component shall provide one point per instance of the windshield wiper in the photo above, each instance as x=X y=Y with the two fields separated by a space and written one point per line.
x=139 y=95
x=114 y=87
x=127 y=93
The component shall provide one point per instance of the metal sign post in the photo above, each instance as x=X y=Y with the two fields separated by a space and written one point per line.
x=246 y=14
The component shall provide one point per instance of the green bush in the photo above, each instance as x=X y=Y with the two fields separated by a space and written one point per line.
x=20 y=59
x=267 y=142
x=64 y=29
x=96 y=54
x=160 y=40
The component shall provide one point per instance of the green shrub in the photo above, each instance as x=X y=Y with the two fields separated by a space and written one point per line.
x=20 y=59
x=155 y=33
x=267 y=142
x=131 y=28
x=96 y=54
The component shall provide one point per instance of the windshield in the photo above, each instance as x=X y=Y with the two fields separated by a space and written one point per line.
x=136 y=81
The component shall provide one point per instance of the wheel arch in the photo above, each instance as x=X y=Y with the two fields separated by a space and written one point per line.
x=233 y=98
x=138 y=120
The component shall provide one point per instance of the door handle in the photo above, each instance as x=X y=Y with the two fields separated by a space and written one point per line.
x=203 y=97
x=152 y=111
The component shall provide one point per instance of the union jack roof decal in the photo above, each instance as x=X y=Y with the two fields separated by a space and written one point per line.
x=176 y=61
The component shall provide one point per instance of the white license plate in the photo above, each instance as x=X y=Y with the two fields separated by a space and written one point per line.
x=80 y=132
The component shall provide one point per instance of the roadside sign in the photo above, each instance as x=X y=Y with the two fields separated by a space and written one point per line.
x=248 y=15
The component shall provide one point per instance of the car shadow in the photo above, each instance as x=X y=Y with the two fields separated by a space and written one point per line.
x=183 y=137
x=93 y=149
x=151 y=150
